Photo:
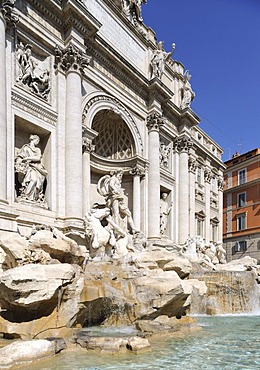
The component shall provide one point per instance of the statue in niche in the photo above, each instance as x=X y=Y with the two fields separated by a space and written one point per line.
x=187 y=95
x=110 y=186
x=31 y=75
x=165 y=210
x=164 y=155
x=31 y=173
x=133 y=8
x=106 y=224
x=159 y=58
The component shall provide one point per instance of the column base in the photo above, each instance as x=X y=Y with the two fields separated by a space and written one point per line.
x=8 y=217
x=73 y=224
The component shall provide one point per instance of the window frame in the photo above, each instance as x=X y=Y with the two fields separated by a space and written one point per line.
x=240 y=217
x=240 y=202
x=239 y=176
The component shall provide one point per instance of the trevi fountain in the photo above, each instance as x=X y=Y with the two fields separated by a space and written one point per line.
x=111 y=253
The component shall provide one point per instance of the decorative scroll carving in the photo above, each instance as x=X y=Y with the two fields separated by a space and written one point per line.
x=183 y=144
x=71 y=58
x=87 y=145
x=154 y=121
x=137 y=170
x=7 y=9
x=31 y=75
x=31 y=174
x=159 y=58
x=165 y=151
x=187 y=95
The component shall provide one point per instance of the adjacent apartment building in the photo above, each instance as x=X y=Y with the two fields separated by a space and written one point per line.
x=241 y=228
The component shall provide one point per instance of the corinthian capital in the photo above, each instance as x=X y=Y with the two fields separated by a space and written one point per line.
x=137 y=170
x=183 y=144
x=154 y=121
x=7 y=9
x=71 y=58
x=87 y=146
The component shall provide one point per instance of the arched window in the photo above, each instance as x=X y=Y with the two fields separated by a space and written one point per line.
x=114 y=138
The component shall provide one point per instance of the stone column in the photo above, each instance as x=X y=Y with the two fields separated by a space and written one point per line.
x=192 y=177
x=138 y=172
x=207 y=226
x=183 y=145
x=154 y=121
x=7 y=19
x=220 y=207
x=73 y=62
x=87 y=148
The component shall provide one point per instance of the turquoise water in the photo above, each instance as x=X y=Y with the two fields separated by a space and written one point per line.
x=225 y=342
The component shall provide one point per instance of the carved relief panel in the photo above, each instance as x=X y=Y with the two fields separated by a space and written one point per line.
x=32 y=70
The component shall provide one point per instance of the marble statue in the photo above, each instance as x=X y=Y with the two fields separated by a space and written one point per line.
x=31 y=172
x=159 y=58
x=165 y=210
x=133 y=8
x=31 y=74
x=208 y=255
x=187 y=95
x=220 y=253
x=165 y=151
x=110 y=186
x=101 y=239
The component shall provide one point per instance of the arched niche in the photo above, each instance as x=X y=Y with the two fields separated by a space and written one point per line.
x=117 y=143
x=97 y=104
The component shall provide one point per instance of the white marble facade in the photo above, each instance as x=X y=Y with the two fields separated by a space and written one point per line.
x=80 y=90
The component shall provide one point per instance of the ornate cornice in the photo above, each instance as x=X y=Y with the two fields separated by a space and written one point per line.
x=35 y=109
x=71 y=58
x=7 y=9
x=154 y=121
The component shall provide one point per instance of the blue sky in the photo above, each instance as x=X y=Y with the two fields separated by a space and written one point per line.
x=218 y=41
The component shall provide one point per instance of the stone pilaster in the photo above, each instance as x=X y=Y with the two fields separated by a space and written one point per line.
x=207 y=181
x=7 y=19
x=137 y=172
x=220 y=206
x=154 y=121
x=182 y=145
x=72 y=62
x=87 y=149
x=192 y=163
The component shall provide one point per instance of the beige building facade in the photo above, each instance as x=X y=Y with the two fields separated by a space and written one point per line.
x=86 y=89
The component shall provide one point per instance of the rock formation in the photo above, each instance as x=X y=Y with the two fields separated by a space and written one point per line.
x=49 y=284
